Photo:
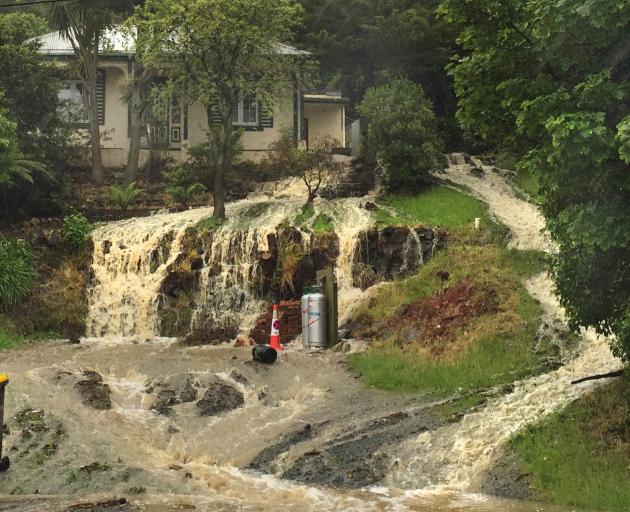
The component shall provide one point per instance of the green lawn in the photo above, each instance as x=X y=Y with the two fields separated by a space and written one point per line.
x=307 y=219
x=496 y=348
x=437 y=206
x=580 y=457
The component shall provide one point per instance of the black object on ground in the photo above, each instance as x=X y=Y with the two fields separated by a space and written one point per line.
x=264 y=354
x=4 y=461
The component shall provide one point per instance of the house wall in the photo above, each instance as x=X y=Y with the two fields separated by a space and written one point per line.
x=115 y=139
x=325 y=119
x=255 y=143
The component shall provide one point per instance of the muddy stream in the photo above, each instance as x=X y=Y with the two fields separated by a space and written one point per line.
x=128 y=414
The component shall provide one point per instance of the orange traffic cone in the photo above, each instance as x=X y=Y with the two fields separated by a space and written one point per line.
x=274 y=339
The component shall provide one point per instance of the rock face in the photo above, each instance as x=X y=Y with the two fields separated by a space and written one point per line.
x=202 y=293
x=219 y=398
x=394 y=251
x=188 y=303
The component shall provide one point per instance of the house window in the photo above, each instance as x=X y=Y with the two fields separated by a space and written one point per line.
x=73 y=106
x=246 y=113
x=72 y=102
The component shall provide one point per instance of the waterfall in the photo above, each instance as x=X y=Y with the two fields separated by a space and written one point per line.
x=134 y=258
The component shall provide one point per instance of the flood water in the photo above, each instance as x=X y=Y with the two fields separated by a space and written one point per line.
x=179 y=459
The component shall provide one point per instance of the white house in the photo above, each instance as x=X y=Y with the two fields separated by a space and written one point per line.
x=310 y=116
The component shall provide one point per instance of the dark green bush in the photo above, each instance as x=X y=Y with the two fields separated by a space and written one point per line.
x=402 y=133
x=77 y=230
x=17 y=270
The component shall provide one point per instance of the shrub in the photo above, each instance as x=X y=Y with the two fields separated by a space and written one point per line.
x=17 y=270
x=124 y=197
x=76 y=230
x=185 y=195
x=315 y=166
x=402 y=134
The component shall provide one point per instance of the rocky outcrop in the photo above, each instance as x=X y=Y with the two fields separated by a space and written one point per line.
x=94 y=393
x=395 y=251
x=219 y=398
x=187 y=303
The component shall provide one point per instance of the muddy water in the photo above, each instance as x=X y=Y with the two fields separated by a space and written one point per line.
x=458 y=454
x=132 y=257
x=184 y=459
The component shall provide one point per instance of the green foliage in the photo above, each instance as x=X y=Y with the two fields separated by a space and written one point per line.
x=17 y=270
x=185 y=195
x=124 y=196
x=319 y=223
x=363 y=43
x=494 y=349
x=316 y=166
x=77 y=230
x=402 y=133
x=8 y=339
x=13 y=164
x=435 y=206
x=543 y=79
x=208 y=224
x=222 y=51
x=579 y=456
x=29 y=85
x=204 y=159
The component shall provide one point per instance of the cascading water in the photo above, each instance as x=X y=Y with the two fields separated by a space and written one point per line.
x=453 y=457
x=132 y=259
x=184 y=460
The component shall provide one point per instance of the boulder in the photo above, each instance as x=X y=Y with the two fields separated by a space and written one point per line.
x=219 y=398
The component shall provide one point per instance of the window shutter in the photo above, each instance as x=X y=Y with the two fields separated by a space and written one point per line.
x=100 y=95
x=216 y=116
x=266 y=118
x=185 y=122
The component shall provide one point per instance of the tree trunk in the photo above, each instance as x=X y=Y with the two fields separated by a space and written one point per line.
x=137 y=104
x=225 y=165
x=95 y=132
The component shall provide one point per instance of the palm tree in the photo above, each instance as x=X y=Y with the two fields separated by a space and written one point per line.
x=83 y=23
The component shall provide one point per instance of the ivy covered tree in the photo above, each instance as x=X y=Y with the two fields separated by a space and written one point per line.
x=549 y=82
x=402 y=133
x=216 y=53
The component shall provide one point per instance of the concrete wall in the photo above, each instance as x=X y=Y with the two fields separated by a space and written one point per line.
x=325 y=119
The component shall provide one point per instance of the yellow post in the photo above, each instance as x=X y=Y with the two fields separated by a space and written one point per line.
x=4 y=380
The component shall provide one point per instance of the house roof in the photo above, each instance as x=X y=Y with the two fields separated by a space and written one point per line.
x=325 y=98
x=118 y=42
x=115 y=42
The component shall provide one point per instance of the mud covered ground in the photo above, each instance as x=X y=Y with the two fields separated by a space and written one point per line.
x=146 y=418
x=165 y=426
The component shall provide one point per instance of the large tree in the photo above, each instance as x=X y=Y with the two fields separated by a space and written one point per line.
x=216 y=52
x=550 y=82
x=365 y=43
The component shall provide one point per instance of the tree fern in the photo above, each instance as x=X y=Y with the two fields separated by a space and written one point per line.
x=123 y=197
